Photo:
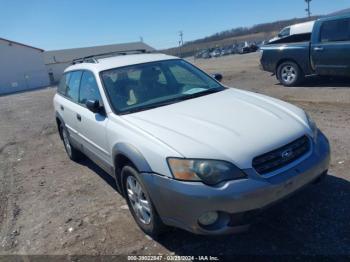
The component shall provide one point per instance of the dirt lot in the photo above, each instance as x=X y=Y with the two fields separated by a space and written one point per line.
x=50 y=205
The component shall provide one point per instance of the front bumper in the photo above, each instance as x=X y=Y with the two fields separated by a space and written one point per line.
x=180 y=203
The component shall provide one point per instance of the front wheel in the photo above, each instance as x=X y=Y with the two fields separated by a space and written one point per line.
x=289 y=74
x=140 y=204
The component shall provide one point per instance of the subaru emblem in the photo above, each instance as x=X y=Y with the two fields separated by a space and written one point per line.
x=287 y=153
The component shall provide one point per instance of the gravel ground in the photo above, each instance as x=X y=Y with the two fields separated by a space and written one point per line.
x=50 y=205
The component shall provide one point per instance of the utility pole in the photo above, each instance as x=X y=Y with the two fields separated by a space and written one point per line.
x=181 y=42
x=308 y=10
x=181 y=34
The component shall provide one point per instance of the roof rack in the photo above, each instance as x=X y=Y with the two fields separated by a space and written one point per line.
x=94 y=58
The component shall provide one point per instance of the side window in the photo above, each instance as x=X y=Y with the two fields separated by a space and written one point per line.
x=62 y=87
x=285 y=32
x=88 y=88
x=72 y=91
x=336 y=30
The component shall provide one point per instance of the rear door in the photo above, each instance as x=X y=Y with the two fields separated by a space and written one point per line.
x=91 y=126
x=330 y=49
x=71 y=107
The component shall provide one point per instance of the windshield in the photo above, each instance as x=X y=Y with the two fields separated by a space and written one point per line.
x=144 y=86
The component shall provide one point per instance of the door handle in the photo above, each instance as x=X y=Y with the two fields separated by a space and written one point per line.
x=318 y=49
x=62 y=108
x=79 y=117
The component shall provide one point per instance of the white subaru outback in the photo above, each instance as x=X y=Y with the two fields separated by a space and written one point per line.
x=185 y=150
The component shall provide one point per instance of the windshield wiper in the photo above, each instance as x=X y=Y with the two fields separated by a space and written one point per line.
x=155 y=105
x=203 y=93
x=172 y=101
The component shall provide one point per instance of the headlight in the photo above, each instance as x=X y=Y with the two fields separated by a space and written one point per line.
x=312 y=126
x=210 y=172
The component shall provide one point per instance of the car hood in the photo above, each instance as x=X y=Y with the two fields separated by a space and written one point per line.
x=231 y=125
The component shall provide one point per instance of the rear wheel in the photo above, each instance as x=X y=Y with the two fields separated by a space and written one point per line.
x=140 y=204
x=72 y=153
x=289 y=74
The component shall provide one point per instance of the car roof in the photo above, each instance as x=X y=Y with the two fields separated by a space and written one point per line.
x=119 y=61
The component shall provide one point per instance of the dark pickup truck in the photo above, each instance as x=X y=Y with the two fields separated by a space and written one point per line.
x=326 y=52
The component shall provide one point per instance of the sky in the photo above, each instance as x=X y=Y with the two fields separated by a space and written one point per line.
x=59 y=24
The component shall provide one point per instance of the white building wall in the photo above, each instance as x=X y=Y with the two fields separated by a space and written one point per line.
x=21 y=68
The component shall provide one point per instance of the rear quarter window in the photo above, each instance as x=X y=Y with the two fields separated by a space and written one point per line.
x=62 y=86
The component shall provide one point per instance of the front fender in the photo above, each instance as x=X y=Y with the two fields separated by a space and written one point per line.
x=133 y=154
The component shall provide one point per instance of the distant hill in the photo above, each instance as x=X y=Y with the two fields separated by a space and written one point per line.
x=258 y=32
x=260 y=28
x=192 y=48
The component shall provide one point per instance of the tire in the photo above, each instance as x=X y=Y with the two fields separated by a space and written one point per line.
x=72 y=153
x=140 y=205
x=289 y=74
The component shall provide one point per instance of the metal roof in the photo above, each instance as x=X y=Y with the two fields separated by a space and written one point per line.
x=68 y=55
x=17 y=43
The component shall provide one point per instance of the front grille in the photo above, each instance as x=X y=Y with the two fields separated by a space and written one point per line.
x=282 y=156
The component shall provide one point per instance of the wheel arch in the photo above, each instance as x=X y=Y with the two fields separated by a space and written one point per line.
x=59 y=121
x=124 y=154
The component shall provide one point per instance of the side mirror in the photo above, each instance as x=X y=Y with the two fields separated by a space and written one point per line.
x=218 y=77
x=94 y=106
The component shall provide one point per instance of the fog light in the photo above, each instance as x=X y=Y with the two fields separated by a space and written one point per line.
x=208 y=218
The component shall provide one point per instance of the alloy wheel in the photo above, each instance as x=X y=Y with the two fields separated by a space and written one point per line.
x=138 y=200
x=288 y=74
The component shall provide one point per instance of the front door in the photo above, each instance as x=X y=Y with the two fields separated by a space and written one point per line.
x=330 y=54
x=92 y=126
